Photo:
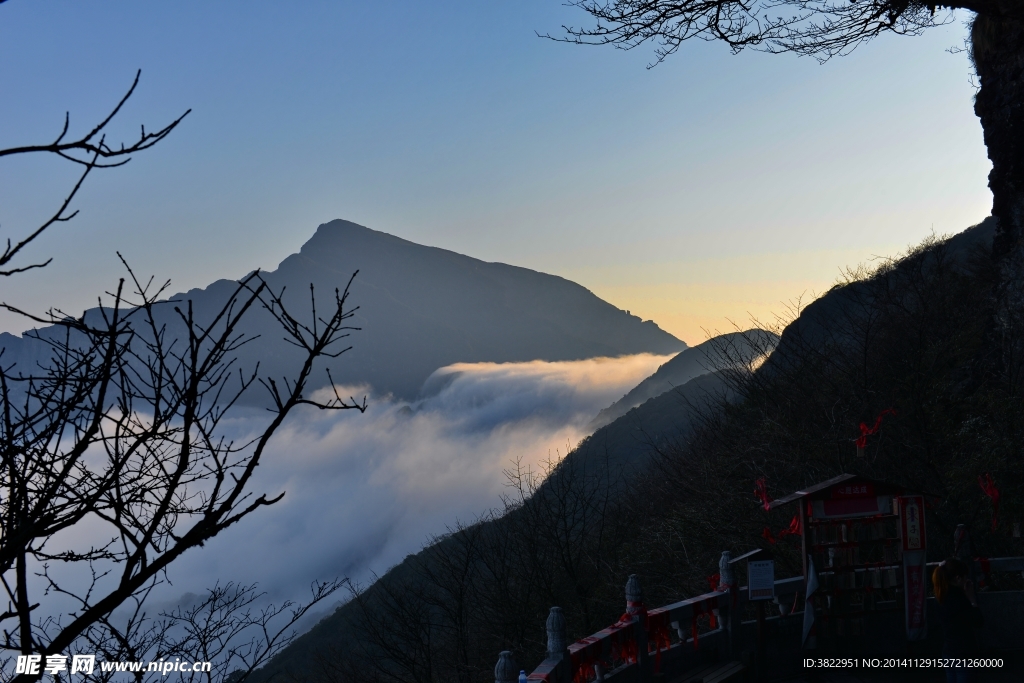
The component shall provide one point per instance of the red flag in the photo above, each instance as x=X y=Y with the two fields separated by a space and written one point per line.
x=989 y=487
x=793 y=528
x=865 y=432
x=761 y=491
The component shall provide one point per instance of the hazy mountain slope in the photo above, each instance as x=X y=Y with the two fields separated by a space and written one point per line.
x=610 y=455
x=628 y=442
x=420 y=308
x=693 y=362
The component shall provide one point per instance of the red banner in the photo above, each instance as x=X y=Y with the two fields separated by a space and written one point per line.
x=862 y=490
x=914 y=581
x=914 y=540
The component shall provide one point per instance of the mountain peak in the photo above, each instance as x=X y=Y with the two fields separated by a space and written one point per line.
x=422 y=308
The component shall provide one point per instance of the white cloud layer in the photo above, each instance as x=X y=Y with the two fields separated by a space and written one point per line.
x=364 y=491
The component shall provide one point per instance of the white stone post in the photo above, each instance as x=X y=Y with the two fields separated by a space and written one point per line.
x=726 y=577
x=634 y=595
x=506 y=670
x=726 y=613
x=635 y=608
x=557 y=635
x=558 y=644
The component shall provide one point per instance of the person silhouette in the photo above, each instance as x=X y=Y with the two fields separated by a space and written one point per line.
x=959 y=614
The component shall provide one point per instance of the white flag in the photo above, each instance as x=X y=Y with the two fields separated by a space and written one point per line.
x=810 y=639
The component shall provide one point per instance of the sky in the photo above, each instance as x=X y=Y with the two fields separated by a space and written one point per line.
x=700 y=193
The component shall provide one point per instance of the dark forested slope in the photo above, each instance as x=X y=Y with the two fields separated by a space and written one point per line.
x=934 y=340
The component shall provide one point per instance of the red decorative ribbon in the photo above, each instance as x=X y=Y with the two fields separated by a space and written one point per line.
x=792 y=529
x=658 y=635
x=583 y=670
x=698 y=610
x=627 y=650
x=986 y=570
x=761 y=492
x=989 y=487
x=583 y=655
x=862 y=440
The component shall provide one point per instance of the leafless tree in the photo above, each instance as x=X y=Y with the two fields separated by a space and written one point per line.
x=121 y=433
x=90 y=151
x=115 y=461
x=228 y=627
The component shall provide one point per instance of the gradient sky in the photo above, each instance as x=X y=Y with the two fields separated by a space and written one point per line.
x=708 y=189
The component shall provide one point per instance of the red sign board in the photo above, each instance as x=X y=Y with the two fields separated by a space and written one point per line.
x=850 y=507
x=914 y=540
x=854 y=490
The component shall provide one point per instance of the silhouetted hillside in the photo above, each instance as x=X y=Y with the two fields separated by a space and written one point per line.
x=928 y=339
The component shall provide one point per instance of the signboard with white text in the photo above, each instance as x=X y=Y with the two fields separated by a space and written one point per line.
x=912 y=522
x=761 y=579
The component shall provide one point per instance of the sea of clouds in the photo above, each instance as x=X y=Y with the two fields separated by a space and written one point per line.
x=363 y=491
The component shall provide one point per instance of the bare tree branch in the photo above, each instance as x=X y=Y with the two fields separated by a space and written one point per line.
x=91 y=151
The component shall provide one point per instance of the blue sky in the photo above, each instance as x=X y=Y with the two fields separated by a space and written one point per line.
x=710 y=188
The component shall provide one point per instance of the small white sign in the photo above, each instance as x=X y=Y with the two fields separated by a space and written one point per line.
x=912 y=523
x=761 y=579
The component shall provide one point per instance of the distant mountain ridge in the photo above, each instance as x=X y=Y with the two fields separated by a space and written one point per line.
x=420 y=308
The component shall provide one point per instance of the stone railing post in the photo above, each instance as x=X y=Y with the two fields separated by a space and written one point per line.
x=635 y=607
x=506 y=670
x=726 y=576
x=728 y=615
x=558 y=643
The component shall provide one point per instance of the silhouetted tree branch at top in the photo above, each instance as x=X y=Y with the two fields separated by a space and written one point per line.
x=829 y=28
